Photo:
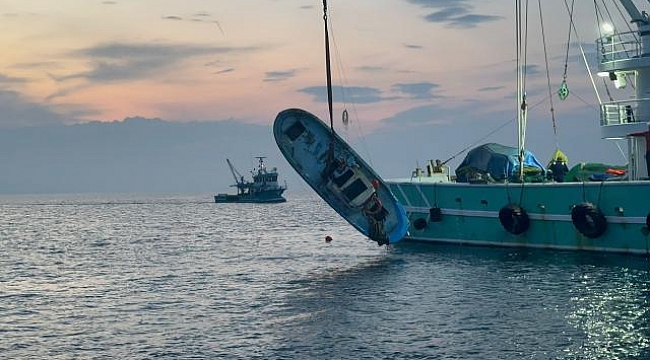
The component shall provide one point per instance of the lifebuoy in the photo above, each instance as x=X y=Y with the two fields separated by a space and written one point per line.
x=419 y=223
x=589 y=220
x=514 y=219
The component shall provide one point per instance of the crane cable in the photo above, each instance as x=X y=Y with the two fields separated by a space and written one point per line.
x=548 y=76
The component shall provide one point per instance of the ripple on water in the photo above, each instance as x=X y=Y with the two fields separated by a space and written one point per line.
x=180 y=277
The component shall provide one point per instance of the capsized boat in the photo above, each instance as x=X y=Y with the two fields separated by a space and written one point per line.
x=263 y=189
x=497 y=198
x=336 y=172
x=339 y=175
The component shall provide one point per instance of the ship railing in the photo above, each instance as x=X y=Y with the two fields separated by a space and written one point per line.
x=621 y=112
x=618 y=47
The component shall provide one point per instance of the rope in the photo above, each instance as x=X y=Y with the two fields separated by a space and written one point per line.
x=491 y=133
x=609 y=94
x=620 y=12
x=346 y=85
x=584 y=57
x=330 y=153
x=600 y=191
x=548 y=75
x=582 y=178
x=568 y=42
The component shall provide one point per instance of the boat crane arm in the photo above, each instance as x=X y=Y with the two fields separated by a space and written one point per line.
x=631 y=9
x=238 y=177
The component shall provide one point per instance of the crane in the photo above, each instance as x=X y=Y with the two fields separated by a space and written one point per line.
x=239 y=179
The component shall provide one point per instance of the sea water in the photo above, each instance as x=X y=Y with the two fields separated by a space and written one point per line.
x=178 y=277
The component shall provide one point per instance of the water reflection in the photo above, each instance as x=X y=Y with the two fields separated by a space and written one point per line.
x=467 y=302
x=111 y=277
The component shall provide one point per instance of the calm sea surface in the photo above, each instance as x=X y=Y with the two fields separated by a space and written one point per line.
x=176 y=277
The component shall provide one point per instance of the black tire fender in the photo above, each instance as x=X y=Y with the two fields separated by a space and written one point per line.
x=419 y=224
x=514 y=219
x=435 y=214
x=589 y=220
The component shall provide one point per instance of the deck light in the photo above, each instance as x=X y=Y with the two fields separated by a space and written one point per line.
x=608 y=29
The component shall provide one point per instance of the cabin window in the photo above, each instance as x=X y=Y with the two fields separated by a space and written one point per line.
x=343 y=178
x=355 y=189
x=295 y=130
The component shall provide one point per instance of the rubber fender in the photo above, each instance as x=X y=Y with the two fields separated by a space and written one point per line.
x=589 y=220
x=419 y=224
x=514 y=219
x=435 y=214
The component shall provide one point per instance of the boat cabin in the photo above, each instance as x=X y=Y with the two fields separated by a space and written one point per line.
x=352 y=184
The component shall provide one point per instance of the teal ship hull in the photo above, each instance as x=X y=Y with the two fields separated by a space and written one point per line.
x=468 y=214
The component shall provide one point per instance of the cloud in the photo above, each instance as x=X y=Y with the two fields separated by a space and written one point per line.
x=37 y=65
x=491 y=88
x=224 y=71
x=372 y=69
x=279 y=75
x=533 y=69
x=353 y=94
x=418 y=91
x=213 y=63
x=10 y=80
x=437 y=3
x=20 y=112
x=471 y=20
x=123 y=61
x=421 y=115
x=454 y=13
x=446 y=14
x=199 y=17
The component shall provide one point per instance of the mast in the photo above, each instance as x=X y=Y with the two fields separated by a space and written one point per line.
x=330 y=154
x=522 y=107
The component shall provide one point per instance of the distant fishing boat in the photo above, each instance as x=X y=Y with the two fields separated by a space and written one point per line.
x=263 y=189
x=336 y=172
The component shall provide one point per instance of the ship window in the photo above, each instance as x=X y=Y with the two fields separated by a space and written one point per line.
x=343 y=178
x=295 y=130
x=355 y=189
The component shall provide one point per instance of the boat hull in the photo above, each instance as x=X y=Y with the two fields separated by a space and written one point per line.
x=304 y=140
x=469 y=214
x=268 y=197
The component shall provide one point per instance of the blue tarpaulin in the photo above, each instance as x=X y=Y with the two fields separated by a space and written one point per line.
x=496 y=162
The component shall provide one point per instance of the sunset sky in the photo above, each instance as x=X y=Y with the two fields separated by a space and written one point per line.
x=404 y=62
